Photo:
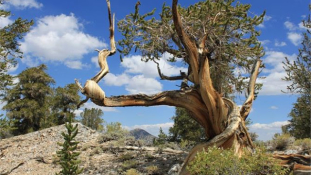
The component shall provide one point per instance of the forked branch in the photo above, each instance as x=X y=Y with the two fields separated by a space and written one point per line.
x=247 y=106
x=91 y=88
x=188 y=44
x=173 y=78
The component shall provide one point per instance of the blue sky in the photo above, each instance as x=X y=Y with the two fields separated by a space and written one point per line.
x=66 y=33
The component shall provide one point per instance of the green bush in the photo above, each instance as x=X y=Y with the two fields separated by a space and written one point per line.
x=305 y=143
x=128 y=164
x=152 y=169
x=131 y=172
x=113 y=131
x=282 y=141
x=216 y=161
x=126 y=156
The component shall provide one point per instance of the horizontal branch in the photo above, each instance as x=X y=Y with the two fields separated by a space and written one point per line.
x=171 y=98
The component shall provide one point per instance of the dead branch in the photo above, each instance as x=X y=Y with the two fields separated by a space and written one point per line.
x=188 y=44
x=247 y=106
x=173 y=78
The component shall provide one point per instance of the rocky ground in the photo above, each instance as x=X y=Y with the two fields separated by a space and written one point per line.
x=35 y=154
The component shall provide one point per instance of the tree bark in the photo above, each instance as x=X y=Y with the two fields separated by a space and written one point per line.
x=223 y=121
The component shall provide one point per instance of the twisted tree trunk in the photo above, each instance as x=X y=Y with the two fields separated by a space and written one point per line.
x=222 y=119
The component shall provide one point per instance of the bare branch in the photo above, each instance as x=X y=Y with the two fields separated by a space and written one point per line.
x=164 y=77
x=246 y=108
x=111 y=29
x=188 y=44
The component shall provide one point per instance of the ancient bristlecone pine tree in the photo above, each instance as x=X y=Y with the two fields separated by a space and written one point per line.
x=215 y=39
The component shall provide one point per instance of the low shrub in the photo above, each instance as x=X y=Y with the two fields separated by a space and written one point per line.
x=282 y=141
x=305 y=143
x=152 y=169
x=218 y=161
x=131 y=172
x=126 y=156
x=128 y=164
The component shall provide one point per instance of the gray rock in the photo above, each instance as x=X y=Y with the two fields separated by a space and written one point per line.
x=174 y=170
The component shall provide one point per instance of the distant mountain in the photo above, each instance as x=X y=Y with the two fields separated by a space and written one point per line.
x=141 y=134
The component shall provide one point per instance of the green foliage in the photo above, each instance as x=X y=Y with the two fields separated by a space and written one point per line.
x=162 y=138
x=153 y=169
x=218 y=161
x=27 y=100
x=126 y=156
x=113 y=131
x=68 y=154
x=132 y=172
x=92 y=118
x=6 y=127
x=299 y=125
x=305 y=143
x=281 y=141
x=65 y=101
x=128 y=164
x=185 y=128
x=9 y=47
x=232 y=38
x=299 y=74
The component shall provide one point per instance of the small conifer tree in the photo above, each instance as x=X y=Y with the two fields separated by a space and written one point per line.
x=68 y=154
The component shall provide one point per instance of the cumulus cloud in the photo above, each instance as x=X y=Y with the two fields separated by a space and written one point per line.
x=273 y=83
x=274 y=107
x=290 y=26
x=134 y=65
x=266 y=131
x=279 y=44
x=59 y=39
x=144 y=85
x=266 y=18
x=117 y=80
x=91 y=105
x=4 y=21
x=24 y=3
x=153 y=128
x=295 y=38
x=140 y=77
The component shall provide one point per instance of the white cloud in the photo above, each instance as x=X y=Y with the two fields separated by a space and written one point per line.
x=91 y=105
x=95 y=61
x=264 y=42
x=266 y=18
x=153 y=128
x=31 y=62
x=301 y=26
x=140 y=77
x=4 y=21
x=273 y=83
x=134 y=65
x=144 y=85
x=274 y=107
x=290 y=26
x=266 y=131
x=59 y=39
x=134 y=84
x=24 y=3
x=75 y=64
x=117 y=80
x=294 y=37
x=279 y=44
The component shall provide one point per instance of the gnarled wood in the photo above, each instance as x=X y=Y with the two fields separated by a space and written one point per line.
x=247 y=106
x=222 y=120
x=189 y=45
